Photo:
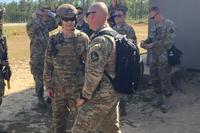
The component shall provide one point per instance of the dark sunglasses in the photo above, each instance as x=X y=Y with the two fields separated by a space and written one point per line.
x=154 y=16
x=79 y=13
x=118 y=15
x=88 y=13
x=68 y=19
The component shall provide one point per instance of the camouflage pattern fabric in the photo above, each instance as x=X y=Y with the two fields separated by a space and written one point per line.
x=101 y=108
x=38 y=32
x=84 y=28
x=64 y=74
x=2 y=85
x=2 y=50
x=127 y=30
x=163 y=37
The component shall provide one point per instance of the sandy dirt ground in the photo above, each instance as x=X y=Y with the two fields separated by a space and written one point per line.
x=20 y=113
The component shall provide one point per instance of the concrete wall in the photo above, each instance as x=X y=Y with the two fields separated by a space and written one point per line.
x=186 y=15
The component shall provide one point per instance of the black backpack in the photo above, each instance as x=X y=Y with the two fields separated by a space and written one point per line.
x=129 y=66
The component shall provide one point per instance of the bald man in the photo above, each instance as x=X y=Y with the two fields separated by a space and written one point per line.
x=98 y=104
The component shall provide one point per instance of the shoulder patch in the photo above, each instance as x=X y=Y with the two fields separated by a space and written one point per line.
x=171 y=30
x=94 y=56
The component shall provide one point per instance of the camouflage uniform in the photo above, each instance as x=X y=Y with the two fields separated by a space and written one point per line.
x=38 y=32
x=2 y=50
x=127 y=30
x=101 y=107
x=111 y=11
x=84 y=28
x=64 y=70
x=163 y=37
x=3 y=56
x=64 y=73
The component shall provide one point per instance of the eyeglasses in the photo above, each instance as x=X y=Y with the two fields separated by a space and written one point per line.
x=88 y=13
x=154 y=16
x=119 y=15
x=68 y=19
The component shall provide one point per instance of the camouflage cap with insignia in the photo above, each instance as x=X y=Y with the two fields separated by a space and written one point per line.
x=66 y=10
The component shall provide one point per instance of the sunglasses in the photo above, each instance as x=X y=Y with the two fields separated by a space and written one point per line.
x=66 y=19
x=88 y=13
x=79 y=13
x=154 y=16
x=119 y=16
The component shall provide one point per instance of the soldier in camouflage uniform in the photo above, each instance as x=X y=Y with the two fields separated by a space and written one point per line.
x=115 y=4
x=162 y=38
x=123 y=28
x=3 y=56
x=64 y=67
x=99 y=102
x=81 y=24
x=38 y=31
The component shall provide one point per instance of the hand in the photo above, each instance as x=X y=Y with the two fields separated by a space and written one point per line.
x=142 y=44
x=148 y=46
x=50 y=93
x=80 y=102
x=5 y=63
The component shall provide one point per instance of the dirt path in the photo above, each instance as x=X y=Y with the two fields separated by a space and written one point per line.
x=183 y=116
x=19 y=112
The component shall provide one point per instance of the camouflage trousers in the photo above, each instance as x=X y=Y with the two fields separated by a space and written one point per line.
x=64 y=111
x=161 y=79
x=96 y=115
x=37 y=69
x=2 y=87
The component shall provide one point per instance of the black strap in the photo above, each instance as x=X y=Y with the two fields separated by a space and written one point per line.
x=105 y=32
x=109 y=77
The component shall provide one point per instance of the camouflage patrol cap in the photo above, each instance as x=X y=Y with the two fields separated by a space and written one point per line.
x=66 y=10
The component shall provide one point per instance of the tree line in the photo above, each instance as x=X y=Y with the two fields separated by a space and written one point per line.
x=21 y=11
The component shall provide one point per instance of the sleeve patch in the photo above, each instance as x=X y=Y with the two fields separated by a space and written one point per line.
x=94 y=56
x=171 y=30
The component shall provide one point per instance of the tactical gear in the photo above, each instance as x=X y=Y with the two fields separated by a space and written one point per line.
x=66 y=10
x=122 y=108
x=129 y=65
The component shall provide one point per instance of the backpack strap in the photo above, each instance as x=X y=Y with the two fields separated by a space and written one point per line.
x=109 y=33
x=105 y=32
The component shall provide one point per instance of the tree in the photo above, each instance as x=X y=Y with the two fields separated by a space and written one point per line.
x=21 y=11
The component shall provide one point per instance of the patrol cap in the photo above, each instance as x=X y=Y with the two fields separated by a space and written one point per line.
x=66 y=10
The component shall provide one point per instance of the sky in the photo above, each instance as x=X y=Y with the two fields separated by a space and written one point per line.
x=8 y=1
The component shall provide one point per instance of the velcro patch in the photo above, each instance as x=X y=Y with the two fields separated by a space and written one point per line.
x=94 y=56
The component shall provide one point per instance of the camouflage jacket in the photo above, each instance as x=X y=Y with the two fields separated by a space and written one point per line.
x=163 y=37
x=38 y=32
x=84 y=28
x=3 y=47
x=127 y=30
x=100 y=57
x=64 y=60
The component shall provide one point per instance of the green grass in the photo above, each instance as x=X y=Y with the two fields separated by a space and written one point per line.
x=18 y=42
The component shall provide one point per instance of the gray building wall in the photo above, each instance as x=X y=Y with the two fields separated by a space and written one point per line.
x=186 y=15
